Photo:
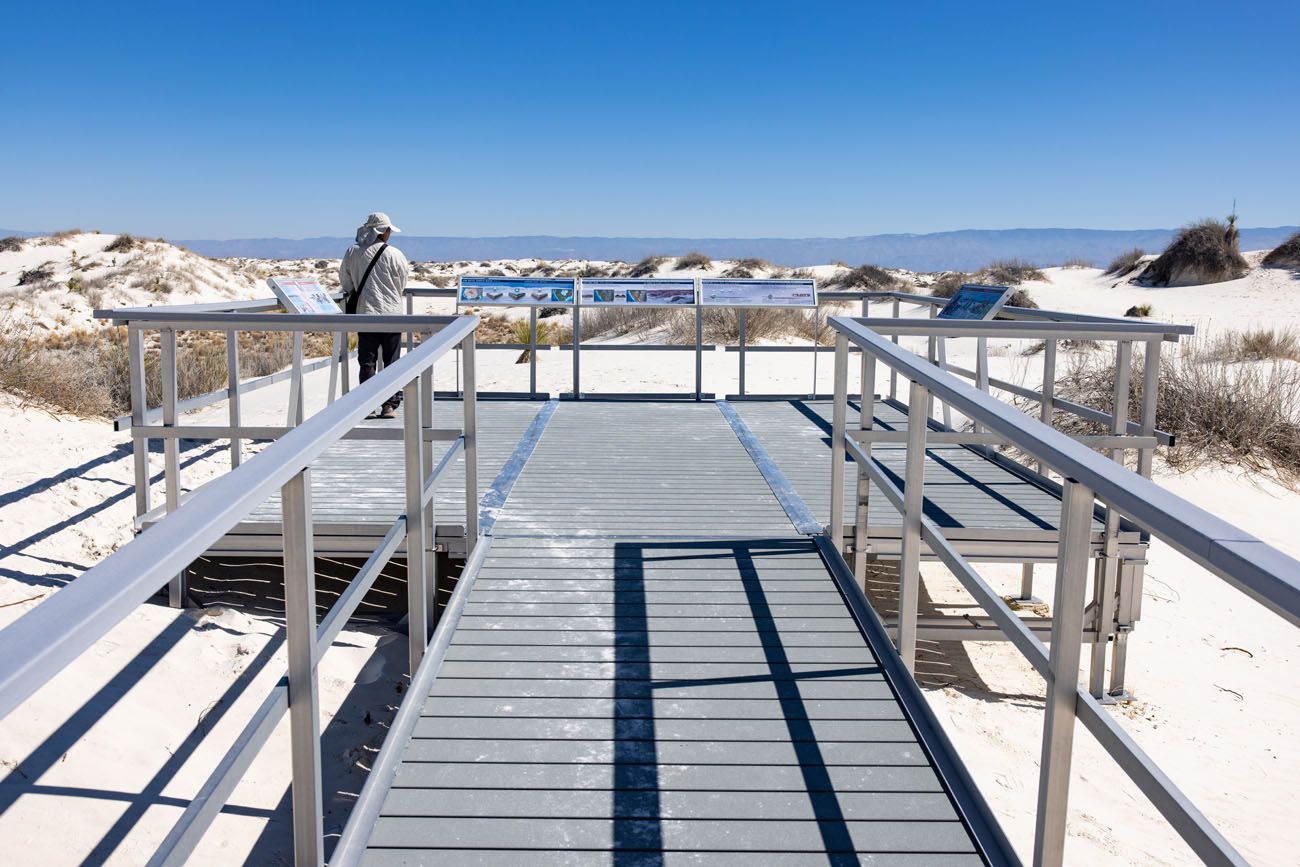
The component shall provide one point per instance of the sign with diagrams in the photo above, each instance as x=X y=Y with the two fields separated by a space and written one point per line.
x=974 y=302
x=630 y=292
x=516 y=291
x=721 y=292
x=302 y=295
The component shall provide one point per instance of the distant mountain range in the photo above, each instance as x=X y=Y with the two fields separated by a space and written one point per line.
x=963 y=250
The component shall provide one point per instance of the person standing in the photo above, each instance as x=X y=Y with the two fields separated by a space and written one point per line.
x=372 y=276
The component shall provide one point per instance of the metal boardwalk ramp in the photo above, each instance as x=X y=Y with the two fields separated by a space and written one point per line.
x=653 y=666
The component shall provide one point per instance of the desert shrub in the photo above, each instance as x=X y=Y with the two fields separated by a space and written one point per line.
x=1066 y=345
x=1021 y=298
x=1125 y=263
x=1076 y=263
x=1204 y=252
x=63 y=235
x=124 y=243
x=738 y=272
x=722 y=325
x=692 y=261
x=1285 y=255
x=442 y=281
x=11 y=244
x=1258 y=344
x=1139 y=310
x=590 y=270
x=868 y=277
x=802 y=274
x=39 y=274
x=1243 y=415
x=754 y=264
x=617 y=321
x=322 y=264
x=1010 y=272
x=545 y=312
x=948 y=284
x=647 y=267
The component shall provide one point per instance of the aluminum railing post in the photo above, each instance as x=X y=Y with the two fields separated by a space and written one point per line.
x=909 y=561
x=300 y=645
x=1063 y=676
x=742 y=327
x=335 y=342
x=470 y=431
x=577 y=352
x=295 y=413
x=1108 y=573
x=532 y=352
x=893 y=374
x=866 y=420
x=1046 y=406
x=817 y=338
x=232 y=397
x=417 y=584
x=981 y=372
x=932 y=356
x=839 y=415
x=345 y=363
x=1026 y=581
x=699 y=353
x=1150 y=394
x=171 y=451
x=139 y=406
x=409 y=337
x=941 y=360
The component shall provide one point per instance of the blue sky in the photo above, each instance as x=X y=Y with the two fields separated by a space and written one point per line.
x=707 y=119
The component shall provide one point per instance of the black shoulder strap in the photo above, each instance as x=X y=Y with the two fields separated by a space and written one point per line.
x=355 y=297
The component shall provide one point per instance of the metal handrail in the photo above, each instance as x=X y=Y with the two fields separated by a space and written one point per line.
x=1241 y=560
x=44 y=641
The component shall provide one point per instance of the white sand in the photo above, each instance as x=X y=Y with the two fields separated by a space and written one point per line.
x=1213 y=674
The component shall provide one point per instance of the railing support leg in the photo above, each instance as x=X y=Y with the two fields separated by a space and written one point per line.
x=1026 y=581
x=741 y=350
x=295 y=411
x=532 y=352
x=300 y=643
x=171 y=452
x=470 y=430
x=1047 y=406
x=336 y=340
x=866 y=420
x=893 y=374
x=699 y=353
x=139 y=404
x=1130 y=602
x=1150 y=390
x=232 y=396
x=1063 y=680
x=577 y=353
x=909 y=563
x=839 y=416
x=417 y=584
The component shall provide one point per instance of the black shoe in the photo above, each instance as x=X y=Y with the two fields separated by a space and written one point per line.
x=388 y=412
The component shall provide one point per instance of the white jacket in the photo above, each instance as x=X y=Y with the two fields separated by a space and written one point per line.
x=383 y=291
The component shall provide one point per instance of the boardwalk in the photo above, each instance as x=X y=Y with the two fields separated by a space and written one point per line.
x=655 y=667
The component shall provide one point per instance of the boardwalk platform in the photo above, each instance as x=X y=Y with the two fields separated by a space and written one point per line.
x=653 y=666
x=992 y=509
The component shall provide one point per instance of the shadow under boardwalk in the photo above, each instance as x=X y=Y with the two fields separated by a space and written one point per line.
x=653 y=701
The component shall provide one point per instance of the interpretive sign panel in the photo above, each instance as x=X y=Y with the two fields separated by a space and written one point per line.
x=720 y=292
x=516 y=291
x=975 y=302
x=302 y=295
x=630 y=292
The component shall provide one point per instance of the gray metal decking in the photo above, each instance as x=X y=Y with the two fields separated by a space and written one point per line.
x=653 y=667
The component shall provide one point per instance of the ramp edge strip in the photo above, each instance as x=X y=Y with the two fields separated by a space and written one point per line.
x=795 y=508
x=495 y=499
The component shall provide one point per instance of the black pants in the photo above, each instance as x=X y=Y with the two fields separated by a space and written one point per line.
x=369 y=345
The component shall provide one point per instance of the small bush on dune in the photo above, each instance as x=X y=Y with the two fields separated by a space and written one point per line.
x=590 y=270
x=124 y=243
x=1076 y=263
x=1125 y=263
x=615 y=321
x=754 y=264
x=32 y=276
x=647 y=267
x=1204 y=252
x=1259 y=344
x=1139 y=310
x=1010 y=272
x=64 y=235
x=948 y=284
x=11 y=244
x=738 y=272
x=1243 y=415
x=868 y=277
x=1285 y=255
x=692 y=261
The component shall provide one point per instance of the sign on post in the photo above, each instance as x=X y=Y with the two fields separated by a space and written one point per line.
x=631 y=292
x=975 y=302
x=302 y=295
x=722 y=292
x=516 y=291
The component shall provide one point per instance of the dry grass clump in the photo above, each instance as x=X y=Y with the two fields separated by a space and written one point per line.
x=1125 y=263
x=64 y=235
x=617 y=321
x=87 y=373
x=948 y=283
x=1244 y=415
x=11 y=244
x=124 y=243
x=868 y=277
x=1139 y=310
x=591 y=270
x=1010 y=272
x=1065 y=345
x=1076 y=263
x=1258 y=344
x=1204 y=252
x=721 y=325
x=692 y=261
x=1285 y=255
x=647 y=267
x=738 y=272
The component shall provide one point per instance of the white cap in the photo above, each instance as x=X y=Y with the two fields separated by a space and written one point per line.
x=379 y=220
